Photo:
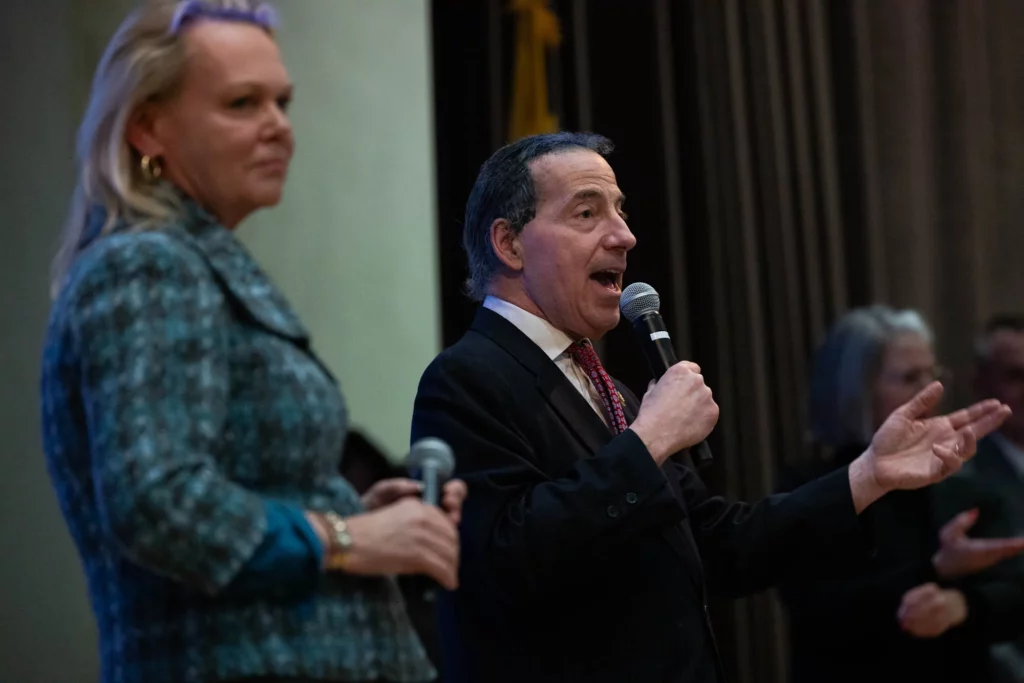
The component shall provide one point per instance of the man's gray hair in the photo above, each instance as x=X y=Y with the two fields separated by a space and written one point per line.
x=504 y=189
x=845 y=367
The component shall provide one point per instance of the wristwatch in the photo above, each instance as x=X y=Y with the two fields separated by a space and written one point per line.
x=340 y=541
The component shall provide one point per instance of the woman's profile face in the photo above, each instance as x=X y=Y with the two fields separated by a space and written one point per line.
x=908 y=365
x=224 y=136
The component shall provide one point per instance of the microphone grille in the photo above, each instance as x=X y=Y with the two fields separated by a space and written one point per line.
x=432 y=449
x=637 y=299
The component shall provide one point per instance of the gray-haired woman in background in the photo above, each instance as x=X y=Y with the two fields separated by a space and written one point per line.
x=851 y=627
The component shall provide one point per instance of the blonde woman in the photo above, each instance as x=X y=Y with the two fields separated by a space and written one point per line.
x=191 y=433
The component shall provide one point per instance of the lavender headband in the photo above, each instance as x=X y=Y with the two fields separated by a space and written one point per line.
x=263 y=16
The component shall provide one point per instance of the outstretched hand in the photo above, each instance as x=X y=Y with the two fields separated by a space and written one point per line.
x=910 y=450
x=959 y=554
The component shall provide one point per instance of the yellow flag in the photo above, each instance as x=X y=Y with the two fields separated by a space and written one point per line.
x=537 y=31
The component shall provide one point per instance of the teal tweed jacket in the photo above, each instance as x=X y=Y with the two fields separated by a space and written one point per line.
x=180 y=399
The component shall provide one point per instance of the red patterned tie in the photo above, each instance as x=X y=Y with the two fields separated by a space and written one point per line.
x=583 y=353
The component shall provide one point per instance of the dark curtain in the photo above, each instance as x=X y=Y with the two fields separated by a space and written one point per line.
x=784 y=160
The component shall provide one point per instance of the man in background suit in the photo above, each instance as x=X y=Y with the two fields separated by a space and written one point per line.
x=993 y=483
x=587 y=546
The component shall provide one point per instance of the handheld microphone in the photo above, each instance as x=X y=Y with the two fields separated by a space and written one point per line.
x=432 y=462
x=640 y=305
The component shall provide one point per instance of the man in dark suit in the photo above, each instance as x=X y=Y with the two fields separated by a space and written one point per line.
x=588 y=544
x=993 y=484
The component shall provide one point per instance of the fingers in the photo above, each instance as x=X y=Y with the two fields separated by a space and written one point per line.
x=972 y=413
x=442 y=569
x=927 y=620
x=954 y=454
x=950 y=458
x=455 y=493
x=387 y=491
x=935 y=613
x=439 y=528
x=439 y=548
x=406 y=537
x=917 y=596
x=923 y=403
x=922 y=611
x=957 y=527
x=989 y=551
x=390 y=490
x=988 y=422
x=968 y=443
x=650 y=388
x=688 y=371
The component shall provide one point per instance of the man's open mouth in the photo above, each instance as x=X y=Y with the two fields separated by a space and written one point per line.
x=610 y=279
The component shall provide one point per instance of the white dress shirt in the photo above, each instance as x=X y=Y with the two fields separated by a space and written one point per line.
x=555 y=345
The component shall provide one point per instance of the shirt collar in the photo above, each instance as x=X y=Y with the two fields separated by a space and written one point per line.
x=551 y=340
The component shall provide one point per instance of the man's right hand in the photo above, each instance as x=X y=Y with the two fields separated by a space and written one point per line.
x=406 y=537
x=960 y=555
x=676 y=413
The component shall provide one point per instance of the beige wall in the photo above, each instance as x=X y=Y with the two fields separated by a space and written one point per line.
x=353 y=244
x=46 y=631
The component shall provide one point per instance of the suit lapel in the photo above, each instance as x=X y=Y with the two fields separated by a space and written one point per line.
x=574 y=410
x=565 y=400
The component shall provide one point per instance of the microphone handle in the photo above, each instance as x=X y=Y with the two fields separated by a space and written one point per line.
x=432 y=484
x=661 y=355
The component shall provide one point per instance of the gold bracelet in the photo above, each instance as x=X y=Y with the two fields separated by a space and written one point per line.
x=340 y=541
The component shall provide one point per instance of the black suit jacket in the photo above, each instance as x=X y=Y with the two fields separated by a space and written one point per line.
x=995 y=597
x=581 y=558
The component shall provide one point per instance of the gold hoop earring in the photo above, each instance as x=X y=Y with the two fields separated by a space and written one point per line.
x=151 y=168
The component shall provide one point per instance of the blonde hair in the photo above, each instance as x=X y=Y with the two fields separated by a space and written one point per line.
x=145 y=61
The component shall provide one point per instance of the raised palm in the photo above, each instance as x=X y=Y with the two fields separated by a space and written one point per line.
x=911 y=450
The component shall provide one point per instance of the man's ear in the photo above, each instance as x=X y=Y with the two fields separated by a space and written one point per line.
x=141 y=132
x=506 y=244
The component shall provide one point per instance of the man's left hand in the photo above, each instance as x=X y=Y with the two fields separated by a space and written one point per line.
x=910 y=451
